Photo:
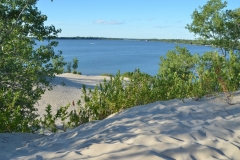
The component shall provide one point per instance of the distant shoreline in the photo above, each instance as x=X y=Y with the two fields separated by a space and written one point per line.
x=183 y=41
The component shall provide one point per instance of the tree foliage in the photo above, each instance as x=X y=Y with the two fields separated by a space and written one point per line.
x=177 y=69
x=212 y=22
x=218 y=73
x=69 y=67
x=57 y=62
x=24 y=68
x=187 y=75
x=75 y=64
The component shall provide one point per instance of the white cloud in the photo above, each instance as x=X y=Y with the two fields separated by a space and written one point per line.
x=109 y=22
x=150 y=19
x=178 y=21
x=65 y=23
x=163 y=26
x=136 y=19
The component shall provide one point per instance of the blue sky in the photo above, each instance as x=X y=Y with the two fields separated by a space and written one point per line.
x=162 y=19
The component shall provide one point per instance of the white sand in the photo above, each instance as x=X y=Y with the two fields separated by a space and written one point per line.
x=71 y=91
x=161 y=130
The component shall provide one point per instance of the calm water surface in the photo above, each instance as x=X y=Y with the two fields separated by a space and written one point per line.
x=108 y=56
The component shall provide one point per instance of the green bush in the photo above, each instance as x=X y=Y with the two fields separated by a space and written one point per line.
x=74 y=72
x=49 y=120
x=218 y=73
x=58 y=64
x=187 y=75
x=177 y=71
x=75 y=64
x=69 y=64
x=25 y=69
x=106 y=74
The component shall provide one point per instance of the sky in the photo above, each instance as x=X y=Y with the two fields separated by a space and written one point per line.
x=143 y=19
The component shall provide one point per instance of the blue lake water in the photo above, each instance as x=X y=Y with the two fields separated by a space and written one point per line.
x=108 y=56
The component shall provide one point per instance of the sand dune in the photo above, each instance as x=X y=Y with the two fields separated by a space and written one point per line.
x=172 y=129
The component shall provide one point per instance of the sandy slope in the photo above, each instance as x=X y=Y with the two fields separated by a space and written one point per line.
x=67 y=88
x=161 y=130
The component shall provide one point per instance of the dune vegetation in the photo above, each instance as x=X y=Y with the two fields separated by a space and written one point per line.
x=26 y=72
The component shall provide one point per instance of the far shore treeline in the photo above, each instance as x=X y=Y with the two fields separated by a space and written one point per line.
x=183 y=41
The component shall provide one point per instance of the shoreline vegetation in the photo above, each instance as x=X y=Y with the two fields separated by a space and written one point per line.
x=183 y=41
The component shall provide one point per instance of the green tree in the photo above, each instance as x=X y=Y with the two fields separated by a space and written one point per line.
x=25 y=70
x=179 y=60
x=75 y=64
x=218 y=74
x=58 y=64
x=69 y=67
x=212 y=22
x=222 y=27
x=177 y=71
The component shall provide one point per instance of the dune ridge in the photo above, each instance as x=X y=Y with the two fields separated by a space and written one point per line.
x=203 y=129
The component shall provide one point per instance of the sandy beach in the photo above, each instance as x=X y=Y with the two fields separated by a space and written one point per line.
x=194 y=130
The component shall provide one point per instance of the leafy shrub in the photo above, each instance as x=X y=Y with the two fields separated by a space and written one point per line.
x=25 y=68
x=16 y=114
x=218 y=73
x=49 y=121
x=74 y=72
x=69 y=64
x=107 y=74
x=109 y=97
x=177 y=71
x=58 y=64
x=75 y=64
